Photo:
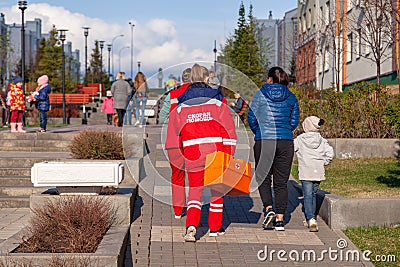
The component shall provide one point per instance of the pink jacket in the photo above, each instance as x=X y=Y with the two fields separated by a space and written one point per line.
x=108 y=105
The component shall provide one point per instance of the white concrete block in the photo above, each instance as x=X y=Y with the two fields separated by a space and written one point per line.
x=88 y=173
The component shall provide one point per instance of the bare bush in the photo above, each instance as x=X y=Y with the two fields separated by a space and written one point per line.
x=72 y=224
x=89 y=144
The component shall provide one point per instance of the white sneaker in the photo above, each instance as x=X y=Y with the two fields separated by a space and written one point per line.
x=312 y=224
x=178 y=217
x=137 y=123
x=140 y=126
x=190 y=234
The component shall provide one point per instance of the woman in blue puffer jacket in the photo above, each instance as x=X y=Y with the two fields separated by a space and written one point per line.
x=273 y=115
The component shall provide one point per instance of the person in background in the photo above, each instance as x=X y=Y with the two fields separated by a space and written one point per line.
x=213 y=80
x=212 y=130
x=313 y=153
x=108 y=107
x=41 y=96
x=174 y=149
x=16 y=102
x=141 y=95
x=5 y=114
x=273 y=116
x=238 y=104
x=121 y=90
x=129 y=110
x=171 y=83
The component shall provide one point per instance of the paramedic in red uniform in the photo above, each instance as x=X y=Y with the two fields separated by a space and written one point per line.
x=174 y=150
x=204 y=125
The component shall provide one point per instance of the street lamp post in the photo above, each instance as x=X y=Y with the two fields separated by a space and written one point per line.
x=119 y=57
x=138 y=66
x=62 y=37
x=101 y=60
x=109 y=53
x=132 y=25
x=86 y=33
x=215 y=56
x=112 y=52
x=23 y=6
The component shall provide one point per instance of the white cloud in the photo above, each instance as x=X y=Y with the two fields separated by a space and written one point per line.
x=155 y=41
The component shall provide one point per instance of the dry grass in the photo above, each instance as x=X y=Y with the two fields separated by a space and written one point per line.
x=361 y=178
x=89 y=144
x=73 y=224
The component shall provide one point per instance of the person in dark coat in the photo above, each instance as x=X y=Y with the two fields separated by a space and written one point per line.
x=41 y=95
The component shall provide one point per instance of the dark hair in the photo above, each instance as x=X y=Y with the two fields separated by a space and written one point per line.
x=278 y=75
x=186 y=75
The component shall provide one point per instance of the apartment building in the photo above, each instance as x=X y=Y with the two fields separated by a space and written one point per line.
x=287 y=41
x=338 y=43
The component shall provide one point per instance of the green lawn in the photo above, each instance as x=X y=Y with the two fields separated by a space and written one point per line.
x=383 y=242
x=361 y=178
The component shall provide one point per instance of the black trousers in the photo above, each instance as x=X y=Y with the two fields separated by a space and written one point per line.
x=273 y=161
x=121 y=115
x=109 y=118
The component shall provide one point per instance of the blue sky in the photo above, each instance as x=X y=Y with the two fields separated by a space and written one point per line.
x=165 y=32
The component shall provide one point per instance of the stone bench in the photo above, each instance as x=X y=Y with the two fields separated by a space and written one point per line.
x=77 y=174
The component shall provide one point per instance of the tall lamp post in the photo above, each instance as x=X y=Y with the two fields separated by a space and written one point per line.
x=109 y=53
x=138 y=66
x=86 y=33
x=119 y=57
x=62 y=37
x=112 y=52
x=101 y=60
x=23 y=5
x=215 y=56
x=132 y=25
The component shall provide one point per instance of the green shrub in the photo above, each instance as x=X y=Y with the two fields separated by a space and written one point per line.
x=72 y=224
x=89 y=144
x=365 y=111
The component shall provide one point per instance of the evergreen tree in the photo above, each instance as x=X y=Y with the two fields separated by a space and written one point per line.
x=244 y=53
x=49 y=62
x=95 y=73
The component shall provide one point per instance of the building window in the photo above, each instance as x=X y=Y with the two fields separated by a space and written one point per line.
x=367 y=46
x=349 y=44
x=357 y=44
x=327 y=58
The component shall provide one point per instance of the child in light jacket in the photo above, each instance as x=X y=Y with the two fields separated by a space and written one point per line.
x=313 y=154
x=108 y=107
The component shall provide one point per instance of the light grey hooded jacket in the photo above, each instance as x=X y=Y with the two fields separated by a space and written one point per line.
x=313 y=153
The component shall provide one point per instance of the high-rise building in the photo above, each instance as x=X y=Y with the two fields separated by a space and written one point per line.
x=269 y=33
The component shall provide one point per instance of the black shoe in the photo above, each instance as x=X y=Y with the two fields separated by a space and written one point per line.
x=269 y=219
x=279 y=226
x=221 y=231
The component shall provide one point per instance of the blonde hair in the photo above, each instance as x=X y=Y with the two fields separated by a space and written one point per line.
x=198 y=73
x=121 y=75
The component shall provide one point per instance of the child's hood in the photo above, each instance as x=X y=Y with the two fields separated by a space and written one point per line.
x=311 y=139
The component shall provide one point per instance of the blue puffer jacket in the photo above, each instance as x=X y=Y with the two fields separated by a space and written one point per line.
x=43 y=103
x=274 y=113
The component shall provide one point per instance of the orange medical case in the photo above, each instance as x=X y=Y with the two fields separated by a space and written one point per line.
x=232 y=175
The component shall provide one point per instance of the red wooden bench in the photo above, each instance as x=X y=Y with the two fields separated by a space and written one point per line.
x=92 y=91
x=81 y=99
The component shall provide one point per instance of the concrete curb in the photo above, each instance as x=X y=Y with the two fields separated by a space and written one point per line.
x=341 y=213
x=110 y=252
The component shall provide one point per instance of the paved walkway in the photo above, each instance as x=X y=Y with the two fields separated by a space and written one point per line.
x=157 y=237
